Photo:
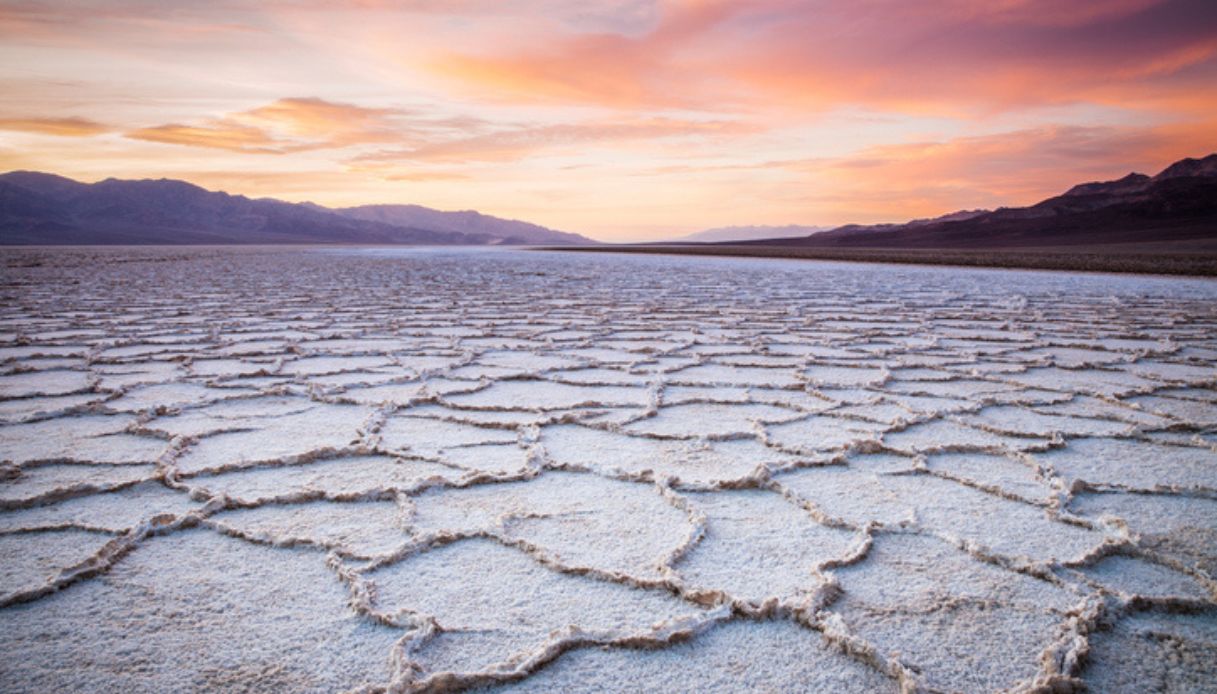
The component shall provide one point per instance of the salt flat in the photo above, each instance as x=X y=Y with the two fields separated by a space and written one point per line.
x=430 y=470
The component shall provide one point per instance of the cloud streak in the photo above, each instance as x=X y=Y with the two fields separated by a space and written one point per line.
x=71 y=126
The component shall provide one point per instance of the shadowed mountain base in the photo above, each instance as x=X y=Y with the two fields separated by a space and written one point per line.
x=1183 y=258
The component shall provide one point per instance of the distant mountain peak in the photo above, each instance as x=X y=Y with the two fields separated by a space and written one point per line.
x=1205 y=167
x=1133 y=182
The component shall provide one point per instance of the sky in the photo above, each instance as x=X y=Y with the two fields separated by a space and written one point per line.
x=622 y=119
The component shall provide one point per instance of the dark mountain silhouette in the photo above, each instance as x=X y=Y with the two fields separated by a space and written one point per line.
x=39 y=208
x=462 y=222
x=1177 y=205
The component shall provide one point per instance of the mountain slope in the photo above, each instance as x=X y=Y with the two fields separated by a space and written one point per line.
x=37 y=208
x=749 y=233
x=1179 y=204
x=462 y=222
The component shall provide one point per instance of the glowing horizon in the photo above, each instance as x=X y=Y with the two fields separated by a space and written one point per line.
x=624 y=120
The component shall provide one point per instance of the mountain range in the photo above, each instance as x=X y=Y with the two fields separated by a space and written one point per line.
x=1177 y=205
x=40 y=208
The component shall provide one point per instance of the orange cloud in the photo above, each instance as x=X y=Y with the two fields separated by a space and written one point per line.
x=940 y=56
x=217 y=134
x=286 y=125
x=64 y=127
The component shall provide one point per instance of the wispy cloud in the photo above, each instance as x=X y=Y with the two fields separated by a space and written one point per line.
x=71 y=126
x=517 y=143
x=284 y=126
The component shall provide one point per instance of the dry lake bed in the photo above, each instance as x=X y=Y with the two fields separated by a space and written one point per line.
x=427 y=470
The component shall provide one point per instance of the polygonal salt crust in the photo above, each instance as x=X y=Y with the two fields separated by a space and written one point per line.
x=148 y=350
x=881 y=463
x=953 y=646
x=631 y=335
x=956 y=388
x=710 y=420
x=723 y=375
x=955 y=512
x=663 y=365
x=387 y=394
x=496 y=603
x=938 y=608
x=1191 y=374
x=1172 y=653
x=1133 y=464
x=882 y=413
x=493 y=458
x=741 y=655
x=846 y=376
x=545 y=395
x=478 y=373
x=751 y=359
x=1073 y=357
x=1199 y=413
x=1139 y=578
x=320 y=429
x=229 y=368
x=115 y=511
x=604 y=356
x=358 y=477
x=47 y=483
x=171 y=395
x=228 y=615
x=691 y=463
x=32 y=559
x=1009 y=476
x=1086 y=381
x=355 y=379
x=426 y=436
x=929 y=405
x=42 y=351
x=1084 y=406
x=907 y=571
x=1181 y=527
x=759 y=546
x=576 y=519
x=527 y=362
x=679 y=395
x=253 y=348
x=598 y=376
x=23 y=385
x=356 y=529
x=42 y=364
x=943 y=435
x=317 y=366
x=822 y=432
x=25 y=409
x=1021 y=421
x=88 y=438
x=501 y=419
x=119 y=377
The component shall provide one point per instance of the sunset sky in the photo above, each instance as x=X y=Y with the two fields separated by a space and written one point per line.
x=622 y=120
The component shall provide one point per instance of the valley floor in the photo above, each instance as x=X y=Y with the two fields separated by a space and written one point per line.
x=329 y=469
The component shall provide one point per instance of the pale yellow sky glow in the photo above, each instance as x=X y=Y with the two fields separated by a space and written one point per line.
x=623 y=120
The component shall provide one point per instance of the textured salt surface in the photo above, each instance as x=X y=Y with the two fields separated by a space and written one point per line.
x=305 y=470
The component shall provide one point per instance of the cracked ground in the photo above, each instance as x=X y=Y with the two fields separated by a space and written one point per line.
x=356 y=470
